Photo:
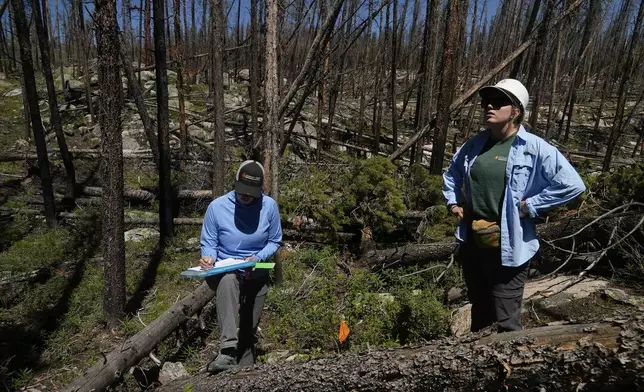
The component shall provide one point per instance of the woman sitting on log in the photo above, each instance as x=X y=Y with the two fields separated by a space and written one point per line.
x=496 y=184
x=242 y=224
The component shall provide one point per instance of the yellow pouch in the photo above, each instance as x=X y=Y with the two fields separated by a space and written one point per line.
x=486 y=234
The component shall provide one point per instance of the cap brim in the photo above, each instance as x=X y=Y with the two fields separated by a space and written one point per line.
x=244 y=189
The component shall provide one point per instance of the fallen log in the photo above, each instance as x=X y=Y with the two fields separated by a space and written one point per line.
x=109 y=370
x=424 y=253
x=602 y=356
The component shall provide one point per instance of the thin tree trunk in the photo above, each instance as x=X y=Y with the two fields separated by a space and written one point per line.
x=179 y=62
x=255 y=77
x=60 y=51
x=54 y=115
x=445 y=93
x=218 y=30
x=85 y=51
x=528 y=30
x=593 y=16
x=109 y=80
x=22 y=30
x=392 y=88
x=135 y=91
x=148 y=33
x=163 y=119
x=617 y=130
x=271 y=94
x=553 y=86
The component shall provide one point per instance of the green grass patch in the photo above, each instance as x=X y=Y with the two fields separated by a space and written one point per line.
x=12 y=122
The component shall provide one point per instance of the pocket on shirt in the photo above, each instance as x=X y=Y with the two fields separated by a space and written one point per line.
x=520 y=176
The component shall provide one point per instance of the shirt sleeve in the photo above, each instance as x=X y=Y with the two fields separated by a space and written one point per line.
x=564 y=183
x=210 y=233
x=453 y=178
x=274 y=235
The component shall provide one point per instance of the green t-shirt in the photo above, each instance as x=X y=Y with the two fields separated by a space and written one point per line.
x=487 y=179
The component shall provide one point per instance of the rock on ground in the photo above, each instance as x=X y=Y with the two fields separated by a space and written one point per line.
x=546 y=293
x=140 y=234
x=172 y=371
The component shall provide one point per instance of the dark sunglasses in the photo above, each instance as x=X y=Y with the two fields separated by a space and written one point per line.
x=496 y=102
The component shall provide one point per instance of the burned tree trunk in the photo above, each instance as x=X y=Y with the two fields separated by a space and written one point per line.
x=140 y=345
x=218 y=29
x=617 y=129
x=31 y=94
x=163 y=122
x=109 y=80
x=54 y=115
x=599 y=356
x=135 y=91
x=180 y=87
x=446 y=91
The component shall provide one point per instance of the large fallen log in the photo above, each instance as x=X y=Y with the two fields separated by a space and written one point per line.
x=109 y=370
x=600 y=356
x=424 y=253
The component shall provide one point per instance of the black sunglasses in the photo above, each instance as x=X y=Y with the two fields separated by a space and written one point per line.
x=496 y=102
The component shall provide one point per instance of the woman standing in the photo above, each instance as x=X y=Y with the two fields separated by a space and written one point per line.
x=496 y=184
x=242 y=224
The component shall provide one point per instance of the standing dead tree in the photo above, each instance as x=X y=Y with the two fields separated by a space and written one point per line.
x=217 y=29
x=109 y=80
x=447 y=85
x=163 y=122
x=54 y=115
x=617 y=130
x=31 y=94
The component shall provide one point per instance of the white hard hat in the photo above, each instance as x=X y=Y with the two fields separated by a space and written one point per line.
x=512 y=88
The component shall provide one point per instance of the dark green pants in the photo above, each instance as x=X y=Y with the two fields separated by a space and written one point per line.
x=495 y=291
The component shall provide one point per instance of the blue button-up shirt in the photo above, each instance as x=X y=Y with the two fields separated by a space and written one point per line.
x=535 y=172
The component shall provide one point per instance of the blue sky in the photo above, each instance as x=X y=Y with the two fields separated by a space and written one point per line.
x=492 y=6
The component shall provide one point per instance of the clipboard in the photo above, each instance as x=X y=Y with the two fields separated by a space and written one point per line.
x=197 y=272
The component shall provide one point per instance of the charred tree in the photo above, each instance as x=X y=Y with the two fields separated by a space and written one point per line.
x=627 y=72
x=180 y=88
x=163 y=122
x=31 y=94
x=109 y=80
x=218 y=31
x=54 y=115
x=135 y=91
x=446 y=91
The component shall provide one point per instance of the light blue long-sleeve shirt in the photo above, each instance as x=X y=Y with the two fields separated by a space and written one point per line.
x=535 y=172
x=233 y=230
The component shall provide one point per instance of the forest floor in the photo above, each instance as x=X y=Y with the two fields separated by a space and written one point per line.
x=51 y=326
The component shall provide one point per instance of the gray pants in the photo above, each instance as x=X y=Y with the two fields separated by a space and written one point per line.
x=239 y=305
x=495 y=291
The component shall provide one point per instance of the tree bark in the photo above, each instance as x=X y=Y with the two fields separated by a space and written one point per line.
x=447 y=86
x=31 y=94
x=598 y=356
x=109 y=80
x=163 y=119
x=54 y=115
x=218 y=29
x=108 y=371
x=179 y=62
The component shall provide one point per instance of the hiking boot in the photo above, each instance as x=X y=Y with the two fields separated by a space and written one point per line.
x=224 y=361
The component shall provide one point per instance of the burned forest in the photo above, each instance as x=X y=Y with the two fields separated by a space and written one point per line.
x=122 y=120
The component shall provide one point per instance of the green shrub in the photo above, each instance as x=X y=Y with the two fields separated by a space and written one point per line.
x=620 y=187
x=381 y=310
x=423 y=189
x=365 y=192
